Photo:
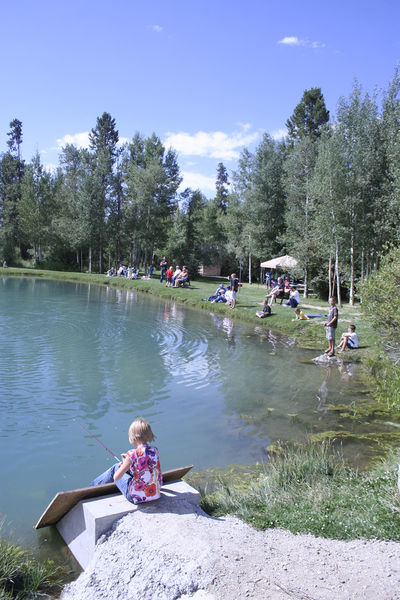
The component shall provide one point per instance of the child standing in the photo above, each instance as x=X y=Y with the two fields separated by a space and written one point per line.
x=169 y=274
x=331 y=325
x=234 y=284
x=138 y=476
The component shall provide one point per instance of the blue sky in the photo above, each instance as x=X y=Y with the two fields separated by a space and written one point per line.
x=208 y=77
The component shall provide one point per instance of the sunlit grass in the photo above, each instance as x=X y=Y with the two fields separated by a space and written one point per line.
x=309 y=489
x=24 y=576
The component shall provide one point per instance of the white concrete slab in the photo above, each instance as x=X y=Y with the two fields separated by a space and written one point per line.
x=82 y=526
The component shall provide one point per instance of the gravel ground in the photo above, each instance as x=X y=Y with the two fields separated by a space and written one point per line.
x=171 y=550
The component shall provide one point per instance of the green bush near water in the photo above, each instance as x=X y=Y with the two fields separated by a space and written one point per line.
x=22 y=576
x=309 y=489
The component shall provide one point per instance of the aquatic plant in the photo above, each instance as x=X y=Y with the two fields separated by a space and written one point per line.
x=24 y=576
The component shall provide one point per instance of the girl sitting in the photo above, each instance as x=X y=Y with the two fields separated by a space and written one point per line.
x=138 y=476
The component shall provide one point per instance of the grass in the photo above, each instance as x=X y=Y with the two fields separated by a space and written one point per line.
x=309 y=489
x=23 y=576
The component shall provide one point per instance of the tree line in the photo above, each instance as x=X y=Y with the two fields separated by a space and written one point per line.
x=328 y=194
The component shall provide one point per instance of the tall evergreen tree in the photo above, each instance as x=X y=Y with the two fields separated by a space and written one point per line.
x=222 y=184
x=309 y=116
x=11 y=174
x=103 y=142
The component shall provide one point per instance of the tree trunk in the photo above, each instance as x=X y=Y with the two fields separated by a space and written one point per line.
x=362 y=263
x=118 y=232
x=101 y=259
x=90 y=260
x=330 y=276
x=339 y=299
x=305 y=292
x=351 y=297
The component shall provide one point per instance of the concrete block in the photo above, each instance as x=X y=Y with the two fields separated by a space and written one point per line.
x=82 y=526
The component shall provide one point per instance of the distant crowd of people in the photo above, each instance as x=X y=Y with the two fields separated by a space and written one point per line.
x=173 y=278
x=130 y=272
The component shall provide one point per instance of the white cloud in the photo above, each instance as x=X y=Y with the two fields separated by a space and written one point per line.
x=157 y=28
x=50 y=167
x=81 y=140
x=244 y=126
x=78 y=139
x=213 y=144
x=290 y=41
x=293 y=40
x=195 y=181
x=279 y=134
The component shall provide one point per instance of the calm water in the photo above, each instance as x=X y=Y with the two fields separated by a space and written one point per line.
x=215 y=392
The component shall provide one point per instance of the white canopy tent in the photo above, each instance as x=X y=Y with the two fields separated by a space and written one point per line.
x=282 y=262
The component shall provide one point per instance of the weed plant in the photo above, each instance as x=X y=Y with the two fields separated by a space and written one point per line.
x=309 y=489
x=22 y=576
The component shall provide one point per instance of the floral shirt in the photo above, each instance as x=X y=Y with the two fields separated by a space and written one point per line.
x=146 y=474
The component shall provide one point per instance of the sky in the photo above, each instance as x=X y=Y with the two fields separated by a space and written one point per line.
x=209 y=77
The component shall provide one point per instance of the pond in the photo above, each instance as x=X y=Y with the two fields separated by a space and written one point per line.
x=216 y=392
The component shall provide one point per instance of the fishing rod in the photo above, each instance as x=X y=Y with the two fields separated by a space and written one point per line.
x=93 y=436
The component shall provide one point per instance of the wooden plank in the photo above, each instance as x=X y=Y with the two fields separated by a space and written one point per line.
x=64 y=501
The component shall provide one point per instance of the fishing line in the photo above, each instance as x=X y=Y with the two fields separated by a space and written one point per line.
x=93 y=436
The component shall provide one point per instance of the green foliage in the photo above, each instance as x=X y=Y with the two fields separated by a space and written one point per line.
x=380 y=294
x=24 y=576
x=309 y=489
x=309 y=116
x=222 y=187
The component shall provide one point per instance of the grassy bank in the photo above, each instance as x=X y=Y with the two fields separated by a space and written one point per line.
x=309 y=489
x=24 y=576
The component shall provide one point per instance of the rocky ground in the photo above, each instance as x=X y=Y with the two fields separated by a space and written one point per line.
x=171 y=550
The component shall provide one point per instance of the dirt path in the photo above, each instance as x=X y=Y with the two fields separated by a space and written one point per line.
x=171 y=549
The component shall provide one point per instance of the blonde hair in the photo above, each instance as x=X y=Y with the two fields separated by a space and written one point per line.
x=140 y=432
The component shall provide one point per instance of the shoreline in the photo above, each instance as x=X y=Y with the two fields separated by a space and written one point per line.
x=251 y=294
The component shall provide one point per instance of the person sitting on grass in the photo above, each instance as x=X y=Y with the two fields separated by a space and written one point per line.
x=220 y=290
x=265 y=312
x=300 y=315
x=294 y=297
x=349 y=339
